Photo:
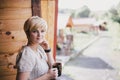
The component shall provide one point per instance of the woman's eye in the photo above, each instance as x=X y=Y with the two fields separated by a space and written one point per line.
x=34 y=31
x=42 y=30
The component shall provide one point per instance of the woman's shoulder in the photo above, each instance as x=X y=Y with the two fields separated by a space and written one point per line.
x=25 y=50
x=24 y=47
x=26 y=53
x=25 y=60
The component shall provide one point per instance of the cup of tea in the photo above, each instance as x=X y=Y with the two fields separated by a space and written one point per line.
x=58 y=65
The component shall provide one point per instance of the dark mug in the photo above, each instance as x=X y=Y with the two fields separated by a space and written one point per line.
x=58 y=65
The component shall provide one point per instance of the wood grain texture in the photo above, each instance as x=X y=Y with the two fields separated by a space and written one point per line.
x=15 y=3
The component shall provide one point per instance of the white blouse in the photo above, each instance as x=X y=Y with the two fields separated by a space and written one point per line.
x=34 y=62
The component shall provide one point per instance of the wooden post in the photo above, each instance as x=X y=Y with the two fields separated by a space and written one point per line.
x=55 y=28
x=36 y=10
x=49 y=13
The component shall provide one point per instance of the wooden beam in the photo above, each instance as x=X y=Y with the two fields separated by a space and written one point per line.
x=36 y=8
x=55 y=28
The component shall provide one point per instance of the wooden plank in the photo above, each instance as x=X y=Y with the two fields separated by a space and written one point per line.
x=15 y=3
x=5 y=71
x=44 y=9
x=13 y=25
x=5 y=48
x=15 y=13
x=3 y=60
x=11 y=77
x=12 y=36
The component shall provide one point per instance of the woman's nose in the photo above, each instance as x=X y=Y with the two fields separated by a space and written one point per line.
x=39 y=33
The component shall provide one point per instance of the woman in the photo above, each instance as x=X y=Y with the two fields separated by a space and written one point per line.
x=34 y=62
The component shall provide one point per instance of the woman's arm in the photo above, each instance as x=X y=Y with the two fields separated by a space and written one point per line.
x=50 y=59
x=22 y=75
x=51 y=74
x=45 y=46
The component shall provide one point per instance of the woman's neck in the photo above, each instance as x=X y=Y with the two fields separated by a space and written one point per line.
x=34 y=46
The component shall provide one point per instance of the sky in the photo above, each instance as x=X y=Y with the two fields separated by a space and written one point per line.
x=94 y=5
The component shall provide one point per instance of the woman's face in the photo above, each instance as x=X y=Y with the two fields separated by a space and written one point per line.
x=37 y=36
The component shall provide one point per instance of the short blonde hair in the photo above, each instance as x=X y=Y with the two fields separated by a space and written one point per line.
x=33 y=23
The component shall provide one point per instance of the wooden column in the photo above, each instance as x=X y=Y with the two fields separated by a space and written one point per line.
x=36 y=7
x=55 y=28
x=48 y=12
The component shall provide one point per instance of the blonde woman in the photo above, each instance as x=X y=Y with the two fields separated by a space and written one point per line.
x=34 y=60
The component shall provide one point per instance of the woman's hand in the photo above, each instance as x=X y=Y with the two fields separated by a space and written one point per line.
x=50 y=75
x=45 y=44
x=53 y=73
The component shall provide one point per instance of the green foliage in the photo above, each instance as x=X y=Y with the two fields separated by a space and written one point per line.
x=84 y=12
x=81 y=12
x=115 y=13
x=73 y=14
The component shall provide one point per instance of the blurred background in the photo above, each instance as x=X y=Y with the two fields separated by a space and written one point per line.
x=88 y=39
x=88 y=17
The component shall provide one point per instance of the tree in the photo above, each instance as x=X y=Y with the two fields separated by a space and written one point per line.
x=84 y=12
x=115 y=13
x=81 y=12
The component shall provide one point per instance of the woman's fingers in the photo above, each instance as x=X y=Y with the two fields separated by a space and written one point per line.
x=45 y=44
x=55 y=70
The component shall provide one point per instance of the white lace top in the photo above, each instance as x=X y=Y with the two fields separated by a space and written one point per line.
x=33 y=62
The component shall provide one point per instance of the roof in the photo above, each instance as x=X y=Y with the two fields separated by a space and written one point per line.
x=70 y=23
x=64 y=20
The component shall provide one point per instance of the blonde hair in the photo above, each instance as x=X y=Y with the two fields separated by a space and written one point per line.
x=33 y=23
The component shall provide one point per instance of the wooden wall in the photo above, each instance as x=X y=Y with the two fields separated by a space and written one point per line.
x=48 y=13
x=13 y=14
